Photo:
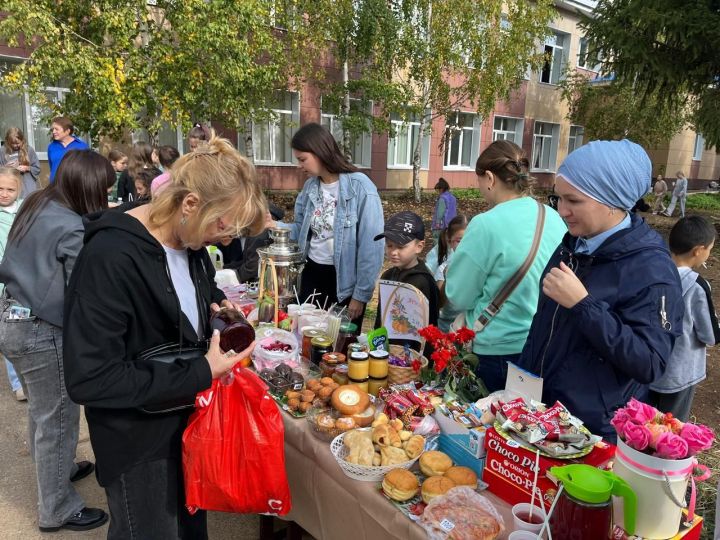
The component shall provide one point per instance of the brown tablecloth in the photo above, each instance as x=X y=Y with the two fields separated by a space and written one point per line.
x=329 y=505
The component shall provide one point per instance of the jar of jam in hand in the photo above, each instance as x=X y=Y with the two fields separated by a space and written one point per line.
x=236 y=333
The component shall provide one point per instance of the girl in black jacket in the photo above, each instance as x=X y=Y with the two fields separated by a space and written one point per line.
x=144 y=279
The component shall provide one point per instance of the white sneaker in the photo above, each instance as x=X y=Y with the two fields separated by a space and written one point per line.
x=20 y=395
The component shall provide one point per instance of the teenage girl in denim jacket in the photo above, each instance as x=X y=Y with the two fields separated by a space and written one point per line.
x=337 y=215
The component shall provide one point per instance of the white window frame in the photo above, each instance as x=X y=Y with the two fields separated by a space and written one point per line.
x=699 y=147
x=365 y=140
x=551 y=46
x=472 y=131
x=583 y=57
x=579 y=133
x=517 y=133
x=294 y=114
x=60 y=92
x=548 y=143
x=406 y=126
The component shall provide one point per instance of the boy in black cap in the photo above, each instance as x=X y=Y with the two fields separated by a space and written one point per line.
x=404 y=241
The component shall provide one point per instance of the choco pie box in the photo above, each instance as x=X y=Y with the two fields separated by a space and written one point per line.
x=510 y=469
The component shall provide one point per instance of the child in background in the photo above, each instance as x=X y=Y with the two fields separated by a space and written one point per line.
x=167 y=156
x=445 y=208
x=119 y=162
x=404 y=236
x=439 y=256
x=143 y=181
x=11 y=184
x=679 y=193
x=691 y=240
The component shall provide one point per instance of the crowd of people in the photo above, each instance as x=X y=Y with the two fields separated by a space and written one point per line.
x=108 y=263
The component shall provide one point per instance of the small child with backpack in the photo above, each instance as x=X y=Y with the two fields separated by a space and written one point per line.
x=691 y=240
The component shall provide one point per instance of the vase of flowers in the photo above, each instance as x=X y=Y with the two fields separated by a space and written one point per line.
x=452 y=363
x=656 y=456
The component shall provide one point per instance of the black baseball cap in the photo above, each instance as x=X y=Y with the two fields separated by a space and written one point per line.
x=403 y=227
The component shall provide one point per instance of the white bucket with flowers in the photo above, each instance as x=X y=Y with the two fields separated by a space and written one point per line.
x=656 y=456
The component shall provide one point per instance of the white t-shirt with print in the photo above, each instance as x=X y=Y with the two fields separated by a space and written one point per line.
x=322 y=223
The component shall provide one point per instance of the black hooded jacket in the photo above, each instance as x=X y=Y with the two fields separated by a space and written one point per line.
x=120 y=302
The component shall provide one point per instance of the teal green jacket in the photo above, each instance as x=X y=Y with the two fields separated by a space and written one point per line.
x=494 y=246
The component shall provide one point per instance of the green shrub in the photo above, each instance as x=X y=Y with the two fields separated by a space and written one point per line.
x=467 y=193
x=703 y=201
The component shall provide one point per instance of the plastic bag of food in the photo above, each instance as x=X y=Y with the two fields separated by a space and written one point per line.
x=462 y=514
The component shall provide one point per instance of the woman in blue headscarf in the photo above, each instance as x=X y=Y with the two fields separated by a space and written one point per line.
x=611 y=301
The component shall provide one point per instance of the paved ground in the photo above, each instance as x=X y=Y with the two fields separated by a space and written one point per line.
x=18 y=511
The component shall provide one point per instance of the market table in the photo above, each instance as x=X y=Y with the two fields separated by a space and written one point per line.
x=330 y=505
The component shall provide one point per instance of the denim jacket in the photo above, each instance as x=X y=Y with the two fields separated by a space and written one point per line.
x=358 y=219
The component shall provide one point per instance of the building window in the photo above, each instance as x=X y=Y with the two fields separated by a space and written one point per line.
x=545 y=139
x=699 y=147
x=360 y=145
x=508 y=129
x=586 y=59
x=576 y=137
x=462 y=140
x=271 y=138
x=402 y=145
x=556 y=52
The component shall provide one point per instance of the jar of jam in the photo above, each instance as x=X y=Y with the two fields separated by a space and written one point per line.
x=236 y=334
x=378 y=364
x=347 y=335
x=329 y=362
x=321 y=345
x=361 y=383
x=358 y=368
x=374 y=385
x=355 y=347
x=341 y=374
x=308 y=335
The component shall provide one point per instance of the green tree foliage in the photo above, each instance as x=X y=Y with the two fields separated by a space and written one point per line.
x=130 y=65
x=667 y=51
x=611 y=110
x=429 y=58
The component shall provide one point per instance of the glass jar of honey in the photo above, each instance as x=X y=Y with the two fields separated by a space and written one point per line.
x=374 y=385
x=340 y=375
x=358 y=368
x=362 y=383
x=378 y=364
x=347 y=335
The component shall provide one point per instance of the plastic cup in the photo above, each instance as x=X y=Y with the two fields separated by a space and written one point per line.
x=520 y=514
x=523 y=535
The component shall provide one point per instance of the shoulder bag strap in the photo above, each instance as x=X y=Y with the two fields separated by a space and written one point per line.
x=494 y=306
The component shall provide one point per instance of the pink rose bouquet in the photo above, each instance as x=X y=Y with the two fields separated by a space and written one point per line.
x=646 y=429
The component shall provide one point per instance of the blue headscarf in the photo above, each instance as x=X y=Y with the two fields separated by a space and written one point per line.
x=614 y=173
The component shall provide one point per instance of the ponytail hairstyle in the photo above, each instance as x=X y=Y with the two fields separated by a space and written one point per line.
x=223 y=180
x=140 y=158
x=81 y=184
x=317 y=140
x=507 y=161
x=458 y=223
x=15 y=135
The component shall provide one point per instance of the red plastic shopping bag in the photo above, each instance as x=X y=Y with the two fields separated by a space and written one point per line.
x=233 y=449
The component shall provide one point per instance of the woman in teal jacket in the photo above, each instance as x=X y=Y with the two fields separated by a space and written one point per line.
x=494 y=247
x=338 y=213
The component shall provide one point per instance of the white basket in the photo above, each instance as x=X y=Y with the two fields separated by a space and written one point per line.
x=366 y=473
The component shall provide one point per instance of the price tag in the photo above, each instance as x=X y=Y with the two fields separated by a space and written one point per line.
x=447 y=525
x=524 y=383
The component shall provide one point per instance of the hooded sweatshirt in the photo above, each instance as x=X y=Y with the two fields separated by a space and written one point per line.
x=686 y=366
x=616 y=341
x=121 y=302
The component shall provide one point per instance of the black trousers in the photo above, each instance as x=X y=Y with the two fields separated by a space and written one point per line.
x=677 y=403
x=322 y=279
x=148 y=503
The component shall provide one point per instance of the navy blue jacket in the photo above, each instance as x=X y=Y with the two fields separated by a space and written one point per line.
x=606 y=349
